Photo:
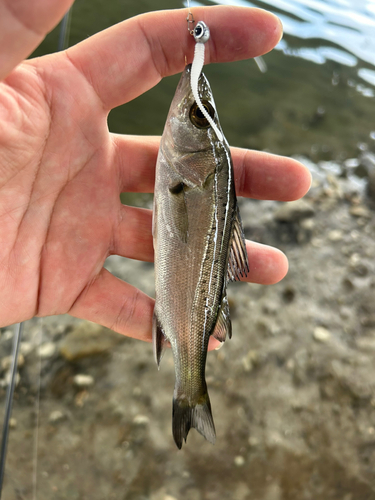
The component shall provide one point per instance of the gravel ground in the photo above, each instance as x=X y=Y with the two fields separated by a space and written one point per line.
x=293 y=392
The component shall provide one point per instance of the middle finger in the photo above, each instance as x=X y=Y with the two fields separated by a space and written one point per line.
x=258 y=175
x=133 y=239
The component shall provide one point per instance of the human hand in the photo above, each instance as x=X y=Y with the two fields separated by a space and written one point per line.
x=61 y=171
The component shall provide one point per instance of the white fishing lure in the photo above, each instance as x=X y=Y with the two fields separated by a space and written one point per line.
x=201 y=35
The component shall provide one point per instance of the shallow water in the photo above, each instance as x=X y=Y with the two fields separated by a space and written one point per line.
x=316 y=100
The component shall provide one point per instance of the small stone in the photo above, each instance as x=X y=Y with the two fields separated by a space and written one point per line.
x=239 y=461
x=290 y=365
x=83 y=381
x=321 y=334
x=360 y=211
x=308 y=224
x=12 y=423
x=351 y=163
x=26 y=348
x=88 y=339
x=137 y=391
x=56 y=416
x=253 y=441
x=317 y=242
x=141 y=420
x=6 y=380
x=355 y=259
x=366 y=344
x=169 y=497
x=250 y=360
x=270 y=307
x=7 y=334
x=81 y=398
x=47 y=350
x=294 y=211
x=6 y=362
x=335 y=235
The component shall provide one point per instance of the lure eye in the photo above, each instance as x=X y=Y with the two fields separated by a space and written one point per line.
x=197 y=118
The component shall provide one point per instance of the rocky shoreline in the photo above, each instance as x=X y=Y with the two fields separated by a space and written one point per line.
x=293 y=393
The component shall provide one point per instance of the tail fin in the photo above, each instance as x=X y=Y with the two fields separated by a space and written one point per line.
x=198 y=416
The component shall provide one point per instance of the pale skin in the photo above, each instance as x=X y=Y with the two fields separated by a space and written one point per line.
x=61 y=171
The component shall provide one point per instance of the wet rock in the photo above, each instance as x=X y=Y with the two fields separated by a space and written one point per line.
x=368 y=163
x=321 y=334
x=47 y=350
x=88 y=339
x=6 y=362
x=294 y=211
x=83 y=381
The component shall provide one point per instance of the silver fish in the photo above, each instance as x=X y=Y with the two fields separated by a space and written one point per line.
x=199 y=245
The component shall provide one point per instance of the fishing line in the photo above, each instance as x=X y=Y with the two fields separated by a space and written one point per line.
x=9 y=400
x=37 y=413
x=62 y=44
x=64 y=34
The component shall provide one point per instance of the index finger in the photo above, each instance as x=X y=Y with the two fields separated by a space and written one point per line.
x=128 y=59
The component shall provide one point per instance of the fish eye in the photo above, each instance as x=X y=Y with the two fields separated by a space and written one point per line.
x=197 y=118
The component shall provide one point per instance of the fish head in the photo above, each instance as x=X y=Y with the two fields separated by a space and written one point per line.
x=187 y=130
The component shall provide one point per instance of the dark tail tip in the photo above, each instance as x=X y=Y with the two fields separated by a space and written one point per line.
x=198 y=416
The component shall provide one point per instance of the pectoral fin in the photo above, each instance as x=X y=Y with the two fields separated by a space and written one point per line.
x=179 y=211
x=238 y=265
x=158 y=339
x=223 y=327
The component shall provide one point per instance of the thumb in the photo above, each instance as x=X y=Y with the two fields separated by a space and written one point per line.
x=23 y=25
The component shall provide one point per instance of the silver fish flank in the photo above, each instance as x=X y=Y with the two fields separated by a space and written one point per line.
x=199 y=245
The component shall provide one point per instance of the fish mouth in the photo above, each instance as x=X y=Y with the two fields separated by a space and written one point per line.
x=184 y=86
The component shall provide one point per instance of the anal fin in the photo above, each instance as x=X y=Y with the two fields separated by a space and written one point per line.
x=223 y=327
x=238 y=264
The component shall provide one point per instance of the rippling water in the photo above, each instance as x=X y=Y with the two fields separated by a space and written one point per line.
x=340 y=30
x=316 y=98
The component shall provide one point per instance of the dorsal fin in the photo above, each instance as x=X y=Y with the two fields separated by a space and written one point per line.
x=238 y=264
x=223 y=327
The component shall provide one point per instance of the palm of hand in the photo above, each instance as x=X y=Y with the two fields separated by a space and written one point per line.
x=59 y=232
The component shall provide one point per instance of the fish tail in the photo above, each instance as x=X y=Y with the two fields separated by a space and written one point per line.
x=192 y=414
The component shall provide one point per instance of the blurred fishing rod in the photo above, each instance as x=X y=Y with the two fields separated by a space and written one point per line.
x=63 y=43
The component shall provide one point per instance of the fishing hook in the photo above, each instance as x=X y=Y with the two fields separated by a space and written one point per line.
x=190 y=21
